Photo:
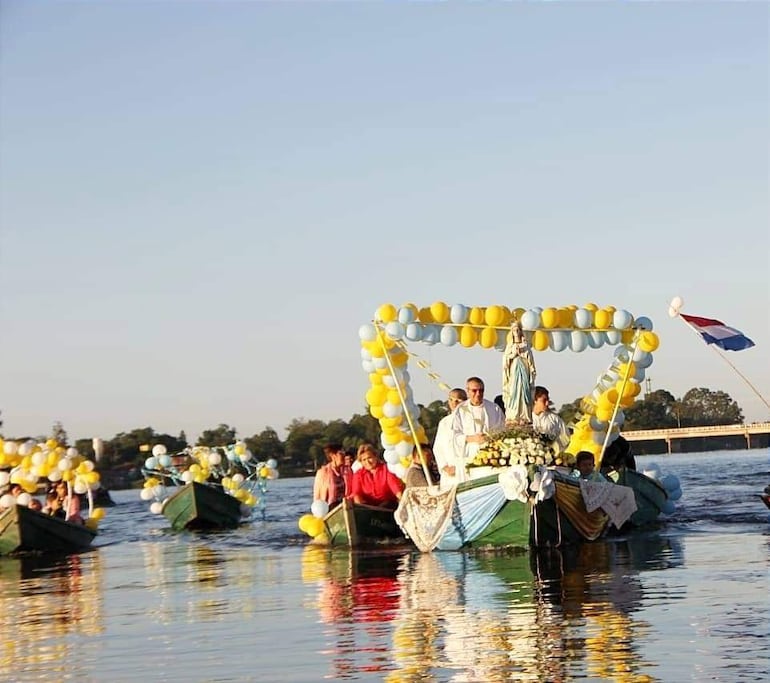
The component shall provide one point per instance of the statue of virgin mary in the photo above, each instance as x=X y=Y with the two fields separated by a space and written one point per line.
x=518 y=377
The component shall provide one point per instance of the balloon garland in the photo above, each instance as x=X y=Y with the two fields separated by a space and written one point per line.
x=232 y=467
x=30 y=464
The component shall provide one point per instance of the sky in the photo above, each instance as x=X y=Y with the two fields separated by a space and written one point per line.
x=201 y=203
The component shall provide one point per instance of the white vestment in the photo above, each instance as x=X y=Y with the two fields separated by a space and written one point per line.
x=469 y=420
x=444 y=452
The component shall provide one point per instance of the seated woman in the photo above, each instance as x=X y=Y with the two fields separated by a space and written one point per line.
x=53 y=505
x=69 y=501
x=374 y=483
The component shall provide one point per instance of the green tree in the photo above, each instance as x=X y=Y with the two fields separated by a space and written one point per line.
x=364 y=429
x=655 y=411
x=223 y=435
x=59 y=434
x=431 y=415
x=266 y=445
x=571 y=412
x=703 y=407
x=304 y=444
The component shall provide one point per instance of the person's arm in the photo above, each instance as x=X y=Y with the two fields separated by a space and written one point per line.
x=318 y=493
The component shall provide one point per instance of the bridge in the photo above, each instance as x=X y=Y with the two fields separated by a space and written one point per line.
x=670 y=434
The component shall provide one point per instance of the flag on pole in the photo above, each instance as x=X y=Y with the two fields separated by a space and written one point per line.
x=716 y=332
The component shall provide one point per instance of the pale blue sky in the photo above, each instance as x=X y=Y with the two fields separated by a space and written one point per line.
x=200 y=203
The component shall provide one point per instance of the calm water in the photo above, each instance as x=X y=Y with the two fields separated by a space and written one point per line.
x=687 y=602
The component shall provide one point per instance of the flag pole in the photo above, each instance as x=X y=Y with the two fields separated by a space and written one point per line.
x=726 y=360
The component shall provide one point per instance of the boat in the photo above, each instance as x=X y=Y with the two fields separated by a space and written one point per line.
x=651 y=496
x=202 y=506
x=355 y=525
x=765 y=496
x=25 y=530
x=479 y=513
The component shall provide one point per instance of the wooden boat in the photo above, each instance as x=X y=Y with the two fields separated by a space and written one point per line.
x=355 y=525
x=25 y=530
x=482 y=517
x=200 y=506
x=650 y=496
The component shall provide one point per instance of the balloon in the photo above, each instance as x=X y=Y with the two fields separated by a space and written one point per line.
x=150 y=464
x=23 y=499
x=530 y=320
x=304 y=521
x=7 y=501
x=476 y=316
x=643 y=323
x=488 y=337
x=540 y=340
x=98 y=513
x=613 y=337
x=448 y=335
x=367 y=332
x=406 y=315
x=550 y=318
x=583 y=318
x=495 y=316
x=158 y=449
x=440 y=312
x=413 y=332
x=558 y=341
x=602 y=318
x=622 y=319
x=272 y=463
x=319 y=508
x=458 y=314
x=431 y=334
x=596 y=339
x=468 y=336
x=315 y=527
x=395 y=330
x=578 y=341
x=648 y=341
x=386 y=313
x=675 y=306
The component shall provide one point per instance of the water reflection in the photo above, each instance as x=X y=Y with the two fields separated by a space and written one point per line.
x=44 y=601
x=487 y=616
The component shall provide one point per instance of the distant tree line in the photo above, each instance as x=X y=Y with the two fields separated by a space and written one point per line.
x=301 y=452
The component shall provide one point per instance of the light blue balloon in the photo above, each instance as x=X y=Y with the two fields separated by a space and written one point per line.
x=502 y=339
x=530 y=320
x=583 y=318
x=558 y=341
x=458 y=314
x=431 y=334
x=272 y=464
x=644 y=361
x=643 y=322
x=151 y=463
x=669 y=507
x=622 y=319
x=367 y=332
x=414 y=332
x=613 y=337
x=578 y=341
x=406 y=315
x=596 y=339
x=164 y=460
x=448 y=335
x=394 y=330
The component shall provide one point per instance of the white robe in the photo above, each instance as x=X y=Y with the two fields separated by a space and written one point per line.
x=464 y=424
x=444 y=452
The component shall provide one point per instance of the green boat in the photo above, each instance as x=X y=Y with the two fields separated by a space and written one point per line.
x=355 y=525
x=477 y=514
x=650 y=496
x=200 y=506
x=24 y=530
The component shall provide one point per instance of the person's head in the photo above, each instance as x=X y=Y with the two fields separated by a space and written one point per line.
x=584 y=463
x=456 y=397
x=474 y=386
x=368 y=457
x=61 y=488
x=541 y=400
x=335 y=454
x=500 y=402
x=427 y=453
x=16 y=490
x=52 y=501
x=350 y=456
x=34 y=504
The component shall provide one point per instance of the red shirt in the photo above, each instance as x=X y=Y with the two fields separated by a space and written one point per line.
x=380 y=487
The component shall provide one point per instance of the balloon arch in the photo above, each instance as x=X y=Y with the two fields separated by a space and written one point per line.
x=385 y=357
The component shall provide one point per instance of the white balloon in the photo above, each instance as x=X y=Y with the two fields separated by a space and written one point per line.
x=272 y=463
x=54 y=475
x=145 y=494
x=431 y=334
x=319 y=508
x=64 y=464
x=622 y=319
x=558 y=340
x=578 y=341
x=395 y=330
x=368 y=366
x=7 y=501
x=391 y=457
x=156 y=508
x=80 y=487
x=23 y=499
x=448 y=335
x=5 y=477
x=403 y=449
x=406 y=315
x=10 y=447
x=583 y=318
x=367 y=332
x=613 y=337
x=530 y=320
x=159 y=449
x=458 y=314
x=391 y=410
x=26 y=448
x=187 y=476
x=72 y=452
x=237 y=478
x=675 y=306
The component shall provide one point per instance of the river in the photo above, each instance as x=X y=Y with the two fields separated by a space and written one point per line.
x=687 y=601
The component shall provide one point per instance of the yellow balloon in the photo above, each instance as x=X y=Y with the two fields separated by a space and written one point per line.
x=304 y=521
x=565 y=316
x=377 y=395
x=488 y=337
x=315 y=527
x=602 y=318
x=376 y=411
x=550 y=318
x=627 y=390
x=648 y=341
x=440 y=312
x=387 y=313
x=468 y=336
x=425 y=316
x=391 y=422
x=393 y=397
x=540 y=340
x=591 y=307
x=627 y=336
x=494 y=316
x=92 y=524
x=627 y=369
x=476 y=316
x=375 y=379
x=98 y=513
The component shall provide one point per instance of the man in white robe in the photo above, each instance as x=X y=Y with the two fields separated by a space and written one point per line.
x=443 y=445
x=547 y=422
x=472 y=422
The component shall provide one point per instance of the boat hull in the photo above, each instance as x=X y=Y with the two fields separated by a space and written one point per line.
x=198 y=506
x=25 y=530
x=352 y=525
x=650 y=496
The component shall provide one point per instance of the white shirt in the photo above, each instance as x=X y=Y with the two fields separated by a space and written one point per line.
x=552 y=426
x=468 y=420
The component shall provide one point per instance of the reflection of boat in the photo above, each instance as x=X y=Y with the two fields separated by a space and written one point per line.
x=354 y=525
x=198 y=506
x=650 y=496
x=478 y=514
x=765 y=496
x=25 y=530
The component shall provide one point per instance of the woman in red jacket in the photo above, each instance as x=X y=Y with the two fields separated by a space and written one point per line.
x=374 y=483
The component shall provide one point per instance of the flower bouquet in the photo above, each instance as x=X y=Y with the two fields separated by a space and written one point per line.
x=516 y=445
